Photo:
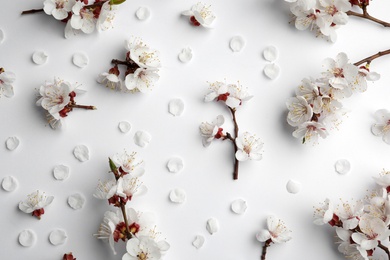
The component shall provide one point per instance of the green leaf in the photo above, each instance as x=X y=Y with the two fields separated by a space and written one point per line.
x=303 y=140
x=113 y=167
x=116 y=2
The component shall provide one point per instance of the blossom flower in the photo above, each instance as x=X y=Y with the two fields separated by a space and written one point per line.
x=324 y=214
x=233 y=95
x=200 y=14
x=58 y=8
x=212 y=131
x=248 y=147
x=145 y=57
x=83 y=18
x=128 y=163
x=309 y=132
x=144 y=247
x=299 y=111
x=113 y=227
x=105 y=190
x=106 y=17
x=129 y=185
x=142 y=80
x=110 y=80
x=350 y=214
x=35 y=203
x=383 y=180
x=364 y=74
x=276 y=231
x=7 y=78
x=382 y=127
x=379 y=206
x=373 y=230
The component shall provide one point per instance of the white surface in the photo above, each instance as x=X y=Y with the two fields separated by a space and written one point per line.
x=207 y=177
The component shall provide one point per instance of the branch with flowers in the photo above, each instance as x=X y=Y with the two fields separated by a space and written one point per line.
x=141 y=69
x=275 y=233
x=325 y=16
x=135 y=228
x=361 y=226
x=58 y=99
x=317 y=106
x=80 y=15
x=246 y=146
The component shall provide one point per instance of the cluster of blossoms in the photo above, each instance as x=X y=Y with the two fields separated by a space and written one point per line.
x=81 y=15
x=276 y=232
x=382 y=127
x=7 y=78
x=135 y=228
x=35 y=203
x=317 y=106
x=246 y=145
x=362 y=226
x=200 y=15
x=58 y=99
x=325 y=16
x=142 y=67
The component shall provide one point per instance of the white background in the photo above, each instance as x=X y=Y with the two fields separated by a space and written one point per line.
x=206 y=176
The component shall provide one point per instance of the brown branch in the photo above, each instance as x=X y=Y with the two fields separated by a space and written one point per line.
x=365 y=15
x=123 y=208
x=384 y=248
x=32 y=11
x=266 y=245
x=82 y=106
x=372 y=57
x=236 y=162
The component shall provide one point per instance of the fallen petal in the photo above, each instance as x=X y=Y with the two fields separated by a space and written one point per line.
x=185 y=55
x=177 y=195
x=198 y=242
x=2 y=36
x=272 y=70
x=212 y=225
x=57 y=237
x=12 y=143
x=142 y=138
x=142 y=13
x=76 y=201
x=270 y=53
x=27 y=238
x=81 y=152
x=239 y=206
x=39 y=57
x=80 y=59
x=293 y=186
x=175 y=164
x=176 y=107
x=342 y=166
x=61 y=172
x=9 y=183
x=124 y=126
x=237 y=43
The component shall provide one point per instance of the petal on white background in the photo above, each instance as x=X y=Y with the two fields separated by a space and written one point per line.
x=142 y=13
x=142 y=138
x=124 y=126
x=58 y=237
x=239 y=206
x=342 y=166
x=2 y=36
x=9 y=183
x=293 y=186
x=212 y=225
x=12 y=143
x=76 y=201
x=272 y=70
x=198 y=241
x=81 y=152
x=39 y=57
x=237 y=43
x=177 y=196
x=175 y=164
x=27 y=238
x=80 y=59
x=185 y=55
x=176 y=107
x=270 y=53
x=61 y=172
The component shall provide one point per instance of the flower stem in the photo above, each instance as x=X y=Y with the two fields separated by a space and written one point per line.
x=236 y=162
x=365 y=15
x=123 y=208
x=266 y=245
x=32 y=11
x=129 y=63
x=83 y=107
x=372 y=57
x=384 y=248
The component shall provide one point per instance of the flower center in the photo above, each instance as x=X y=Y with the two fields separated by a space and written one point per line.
x=332 y=10
x=223 y=97
x=142 y=256
x=338 y=72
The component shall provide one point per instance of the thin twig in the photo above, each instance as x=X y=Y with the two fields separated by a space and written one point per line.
x=83 y=107
x=384 y=248
x=365 y=15
x=32 y=11
x=372 y=57
x=266 y=245
x=236 y=162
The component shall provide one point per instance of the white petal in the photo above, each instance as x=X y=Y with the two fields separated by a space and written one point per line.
x=12 y=143
x=342 y=166
x=272 y=70
x=263 y=235
x=212 y=225
x=176 y=107
x=142 y=138
x=81 y=152
x=177 y=195
x=124 y=126
x=237 y=43
x=293 y=186
x=2 y=36
x=27 y=238
x=76 y=201
x=241 y=155
x=239 y=206
x=58 y=237
x=142 y=13
x=198 y=242
x=386 y=137
x=61 y=172
x=185 y=55
x=377 y=129
x=233 y=102
x=9 y=183
x=175 y=165
x=80 y=59
x=373 y=76
x=39 y=57
x=270 y=53
x=163 y=245
x=59 y=14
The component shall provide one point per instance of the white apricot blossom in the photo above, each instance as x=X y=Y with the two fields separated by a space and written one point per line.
x=382 y=127
x=142 y=80
x=248 y=147
x=324 y=214
x=200 y=14
x=59 y=9
x=35 y=203
x=276 y=231
x=232 y=94
x=211 y=131
x=83 y=18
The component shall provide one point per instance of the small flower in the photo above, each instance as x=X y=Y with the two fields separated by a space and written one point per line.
x=276 y=231
x=111 y=79
x=324 y=214
x=200 y=14
x=299 y=111
x=6 y=80
x=233 y=95
x=373 y=230
x=382 y=127
x=128 y=163
x=105 y=190
x=58 y=8
x=83 y=18
x=248 y=147
x=106 y=17
x=142 y=80
x=212 y=131
x=350 y=214
x=35 y=203
x=383 y=180
x=128 y=186
x=309 y=132
x=145 y=57
x=142 y=247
